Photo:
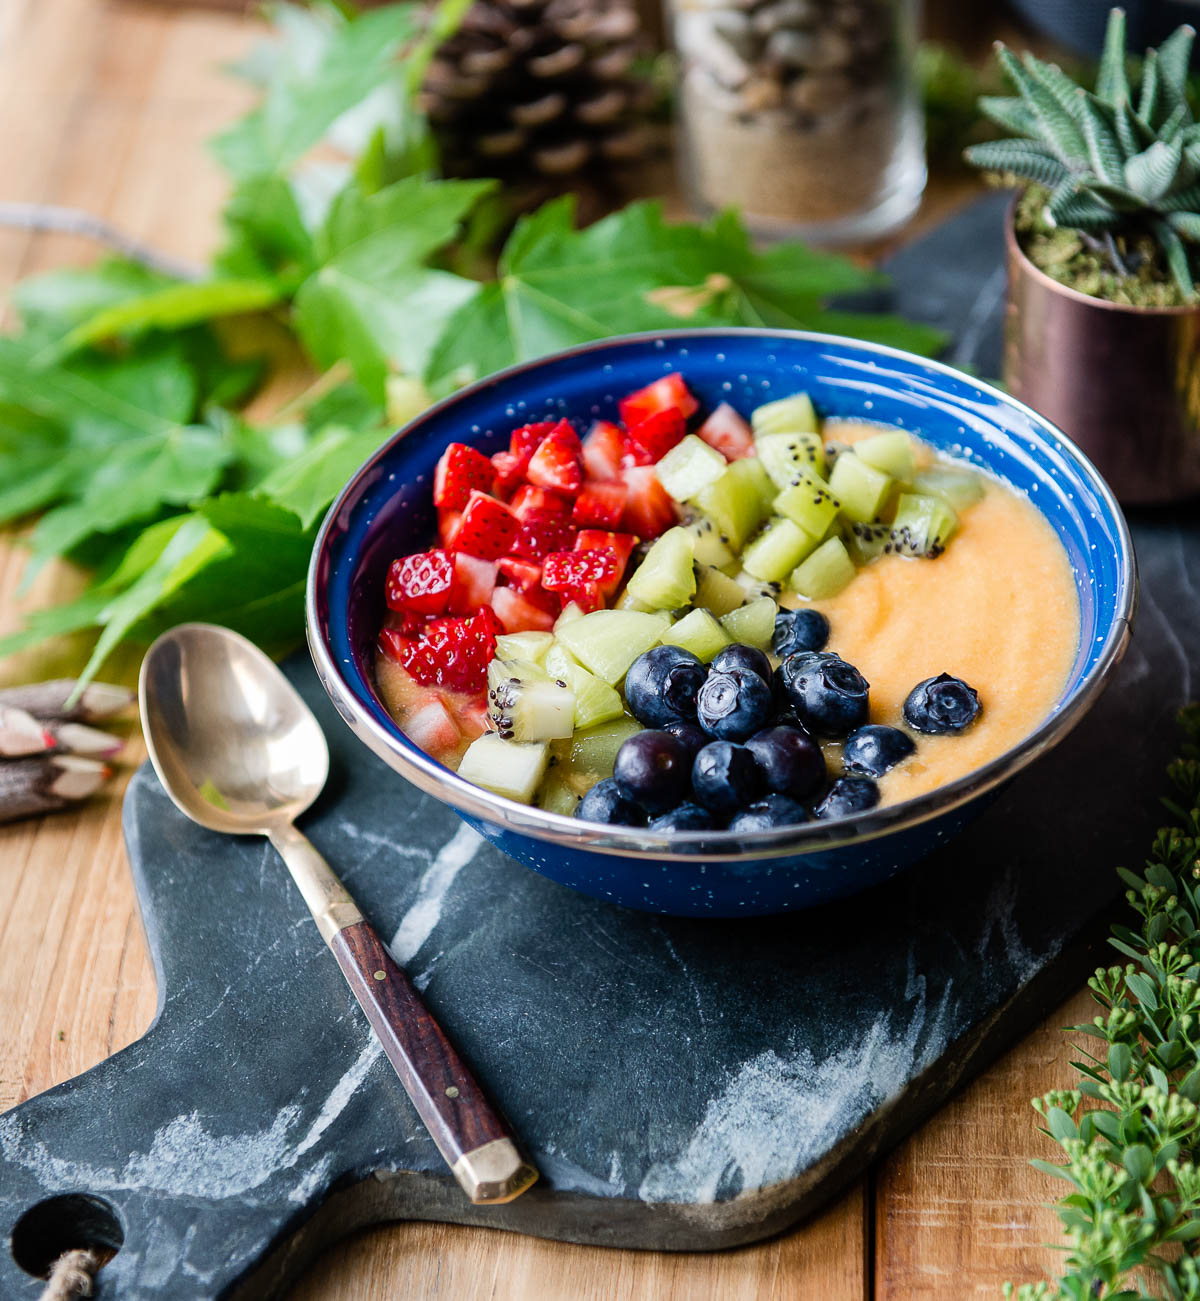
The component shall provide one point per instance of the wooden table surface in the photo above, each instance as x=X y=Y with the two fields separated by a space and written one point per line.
x=105 y=106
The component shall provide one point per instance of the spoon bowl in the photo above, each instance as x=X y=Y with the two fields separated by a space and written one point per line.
x=234 y=745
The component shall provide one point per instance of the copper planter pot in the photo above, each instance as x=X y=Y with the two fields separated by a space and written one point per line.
x=1123 y=382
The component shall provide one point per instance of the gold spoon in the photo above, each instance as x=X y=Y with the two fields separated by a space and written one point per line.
x=239 y=751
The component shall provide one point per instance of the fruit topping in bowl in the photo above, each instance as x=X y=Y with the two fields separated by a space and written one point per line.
x=662 y=622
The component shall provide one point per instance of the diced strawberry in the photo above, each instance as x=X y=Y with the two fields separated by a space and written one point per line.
x=423 y=583
x=558 y=461
x=602 y=450
x=667 y=394
x=565 y=570
x=448 y=522
x=525 y=438
x=542 y=535
x=411 y=623
x=728 y=433
x=651 y=439
x=530 y=503
x=473 y=719
x=649 y=510
x=488 y=528
x=460 y=470
x=518 y=613
x=582 y=576
x=476 y=580
x=520 y=573
x=620 y=544
x=449 y=653
x=433 y=729
x=601 y=504
x=509 y=472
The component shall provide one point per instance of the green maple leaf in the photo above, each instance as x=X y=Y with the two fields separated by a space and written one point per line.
x=558 y=286
x=373 y=302
x=325 y=66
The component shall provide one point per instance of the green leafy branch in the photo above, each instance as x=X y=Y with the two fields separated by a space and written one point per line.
x=1129 y=1130
x=131 y=399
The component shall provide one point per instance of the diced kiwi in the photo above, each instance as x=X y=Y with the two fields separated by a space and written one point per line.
x=961 y=488
x=736 y=502
x=754 y=588
x=784 y=455
x=866 y=542
x=572 y=610
x=627 y=601
x=777 y=550
x=794 y=415
x=524 y=646
x=509 y=768
x=716 y=592
x=689 y=467
x=860 y=488
x=753 y=624
x=825 y=572
x=923 y=525
x=808 y=502
x=698 y=632
x=666 y=578
x=710 y=547
x=606 y=642
x=555 y=794
x=589 y=755
x=526 y=704
x=891 y=452
x=595 y=701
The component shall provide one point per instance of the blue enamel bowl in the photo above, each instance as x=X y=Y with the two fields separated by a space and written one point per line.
x=386 y=510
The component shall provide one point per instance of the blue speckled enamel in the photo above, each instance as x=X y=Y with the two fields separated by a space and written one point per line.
x=387 y=510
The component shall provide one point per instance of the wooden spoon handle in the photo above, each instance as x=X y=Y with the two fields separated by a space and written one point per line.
x=469 y=1133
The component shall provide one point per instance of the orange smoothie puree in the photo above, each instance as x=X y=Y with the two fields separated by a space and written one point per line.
x=998 y=609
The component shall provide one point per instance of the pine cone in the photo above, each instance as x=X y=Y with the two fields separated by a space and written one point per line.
x=542 y=88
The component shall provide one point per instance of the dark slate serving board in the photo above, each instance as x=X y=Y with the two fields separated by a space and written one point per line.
x=680 y=1084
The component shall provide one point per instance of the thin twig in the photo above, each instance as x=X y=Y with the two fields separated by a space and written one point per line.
x=47 y=783
x=48 y=700
x=72 y=221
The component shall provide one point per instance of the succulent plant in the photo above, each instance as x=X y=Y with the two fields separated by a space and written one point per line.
x=1116 y=161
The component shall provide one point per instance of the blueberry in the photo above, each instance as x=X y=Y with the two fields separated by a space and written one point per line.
x=653 y=768
x=726 y=777
x=791 y=760
x=846 y=796
x=734 y=705
x=874 y=749
x=606 y=802
x=687 y=817
x=799 y=630
x=941 y=704
x=772 y=811
x=661 y=686
x=739 y=656
x=829 y=695
x=694 y=737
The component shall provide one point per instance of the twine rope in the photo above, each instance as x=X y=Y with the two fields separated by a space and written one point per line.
x=72 y=1275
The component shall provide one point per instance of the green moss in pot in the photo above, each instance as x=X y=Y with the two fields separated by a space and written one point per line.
x=1102 y=330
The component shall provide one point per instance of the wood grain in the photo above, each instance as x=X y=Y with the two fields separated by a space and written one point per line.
x=105 y=106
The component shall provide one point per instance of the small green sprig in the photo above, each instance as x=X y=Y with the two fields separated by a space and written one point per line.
x=1130 y=1129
